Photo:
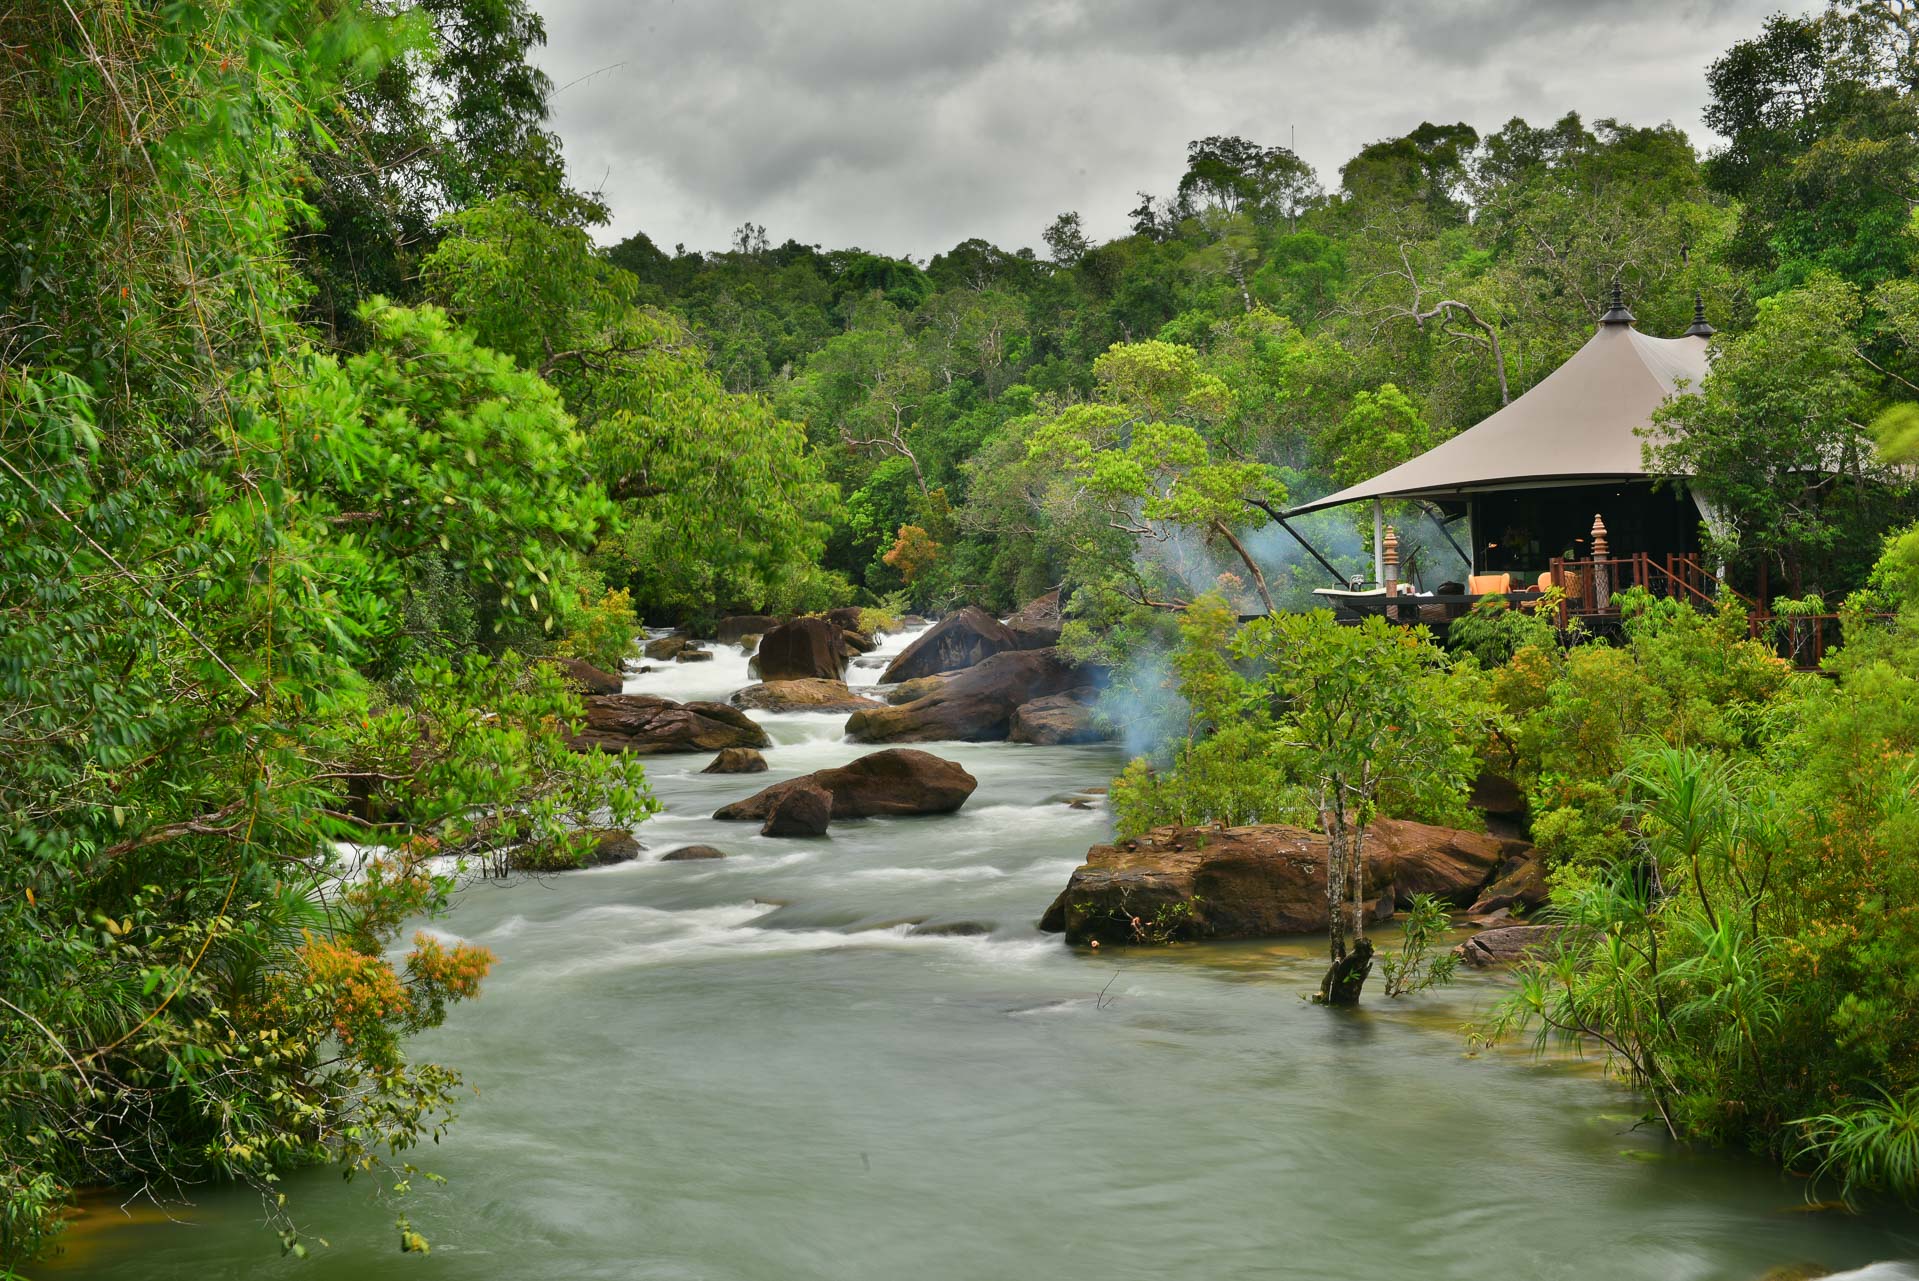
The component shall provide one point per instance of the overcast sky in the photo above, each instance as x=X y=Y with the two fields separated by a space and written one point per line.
x=905 y=127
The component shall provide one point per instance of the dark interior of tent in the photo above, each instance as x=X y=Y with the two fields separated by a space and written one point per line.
x=1521 y=530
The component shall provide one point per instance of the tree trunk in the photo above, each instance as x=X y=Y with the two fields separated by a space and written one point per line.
x=1259 y=579
x=1347 y=976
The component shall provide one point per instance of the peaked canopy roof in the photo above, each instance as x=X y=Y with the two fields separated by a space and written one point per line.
x=1579 y=423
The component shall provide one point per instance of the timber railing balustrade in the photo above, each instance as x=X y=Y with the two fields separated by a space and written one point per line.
x=1802 y=639
x=1587 y=589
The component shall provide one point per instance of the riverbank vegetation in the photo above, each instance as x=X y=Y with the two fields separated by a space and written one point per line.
x=323 y=420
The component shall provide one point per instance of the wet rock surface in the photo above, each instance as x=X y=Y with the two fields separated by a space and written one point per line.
x=648 y=725
x=892 y=782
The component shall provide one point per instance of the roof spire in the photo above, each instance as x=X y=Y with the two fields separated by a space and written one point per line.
x=1617 y=313
x=1699 y=328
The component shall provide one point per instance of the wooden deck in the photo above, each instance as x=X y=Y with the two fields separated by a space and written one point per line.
x=1587 y=588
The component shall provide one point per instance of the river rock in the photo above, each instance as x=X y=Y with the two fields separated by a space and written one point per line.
x=917 y=688
x=736 y=760
x=663 y=648
x=857 y=641
x=610 y=845
x=692 y=654
x=1058 y=719
x=804 y=649
x=966 y=638
x=688 y=853
x=845 y=617
x=894 y=781
x=1523 y=886
x=1451 y=865
x=1036 y=624
x=750 y=644
x=1249 y=882
x=975 y=705
x=647 y=725
x=801 y=696
x=586 y=678
x=801 y=809
x=1505 y=945
x=731 y=631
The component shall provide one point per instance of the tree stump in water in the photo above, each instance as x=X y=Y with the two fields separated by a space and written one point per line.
x=1347 y=975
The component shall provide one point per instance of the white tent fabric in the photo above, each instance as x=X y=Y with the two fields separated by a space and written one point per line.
x=1579 y=424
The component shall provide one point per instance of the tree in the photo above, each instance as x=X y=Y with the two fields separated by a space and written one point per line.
x=1269 y=185
x=723 y=504
x=1778 y=440
x=1362 y=712
x=1066 y=239
x=1150 y=478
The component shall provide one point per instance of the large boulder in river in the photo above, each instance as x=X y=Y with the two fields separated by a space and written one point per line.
x=586 y=678
x=691 y=853
x=1522 y=886
x=895 y=781
x=917 y=688
x=803 y=649
x=802 y=809
x=1250 y=882
x=857 y=642
x=801 y=696
x=648 y=725
x=1058 y=719
x=966 y=638
x=731 y=631
x=1506 y=945
x=845 y=617
x=736 y=760
x=975 y=705
x=1036 y=624
x=662 y=648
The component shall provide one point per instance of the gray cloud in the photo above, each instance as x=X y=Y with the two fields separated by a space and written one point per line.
x=905 y=127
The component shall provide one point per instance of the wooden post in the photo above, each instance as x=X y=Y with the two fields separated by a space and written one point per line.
x=1389 y=571
x=1379 y=542
x=1602 y=572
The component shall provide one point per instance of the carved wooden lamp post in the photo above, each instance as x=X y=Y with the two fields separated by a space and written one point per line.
x=1602 y=572
x=1390 y=578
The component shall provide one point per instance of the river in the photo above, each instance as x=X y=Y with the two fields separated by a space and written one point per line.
x=857 y=1059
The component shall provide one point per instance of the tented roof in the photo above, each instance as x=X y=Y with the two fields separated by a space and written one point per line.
x=1578 y=424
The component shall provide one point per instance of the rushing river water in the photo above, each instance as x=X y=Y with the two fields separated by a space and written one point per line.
x=857 y=1059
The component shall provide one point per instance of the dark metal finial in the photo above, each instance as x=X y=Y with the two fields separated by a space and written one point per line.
x=1699 y=328
x=1617 y=314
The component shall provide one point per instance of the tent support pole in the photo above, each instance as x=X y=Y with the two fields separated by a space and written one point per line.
x=1339 y=579
x=1433 y=513
x=1379 y=542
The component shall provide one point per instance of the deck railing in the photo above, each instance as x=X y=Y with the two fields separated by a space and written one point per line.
x=1801 y=639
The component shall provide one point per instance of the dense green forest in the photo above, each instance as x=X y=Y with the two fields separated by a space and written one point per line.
x=325 y=416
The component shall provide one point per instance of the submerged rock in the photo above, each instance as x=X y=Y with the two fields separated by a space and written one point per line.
x=692 y=655
x=974 y=705
x=1058 y=719
x=801 y=809
x=736 y=760
x=810 y=695
x=804 y=649
x=895 y=781
x=968 y=637
x=1251 y=882
x=647 y=725
x=688 y=853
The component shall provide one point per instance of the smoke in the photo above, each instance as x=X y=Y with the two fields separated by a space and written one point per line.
x=1142 y=701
